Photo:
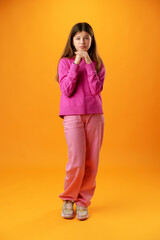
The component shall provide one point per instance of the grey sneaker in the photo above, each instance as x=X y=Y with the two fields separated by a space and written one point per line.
x=67 y=211
x=82 y=212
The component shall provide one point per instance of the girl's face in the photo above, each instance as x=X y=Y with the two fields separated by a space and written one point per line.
x=82 y=41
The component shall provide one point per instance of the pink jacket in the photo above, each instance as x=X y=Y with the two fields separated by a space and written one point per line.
x=80 y=87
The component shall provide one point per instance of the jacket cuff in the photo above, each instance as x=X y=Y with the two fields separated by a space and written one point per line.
x=74 y=67
x=90 y=67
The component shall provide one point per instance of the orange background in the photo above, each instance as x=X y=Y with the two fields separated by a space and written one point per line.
x=33 y=36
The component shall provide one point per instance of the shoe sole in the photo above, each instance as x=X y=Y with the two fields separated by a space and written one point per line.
x=67 y=216
x=83 y=218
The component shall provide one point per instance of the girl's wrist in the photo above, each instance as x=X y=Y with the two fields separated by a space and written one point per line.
x=88 y=60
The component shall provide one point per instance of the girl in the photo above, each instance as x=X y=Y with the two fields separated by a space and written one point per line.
x=81 y=74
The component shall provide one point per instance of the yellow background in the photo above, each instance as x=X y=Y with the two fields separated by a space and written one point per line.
x=33 y=147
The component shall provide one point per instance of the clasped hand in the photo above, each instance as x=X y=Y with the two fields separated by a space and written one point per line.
x=84 y=55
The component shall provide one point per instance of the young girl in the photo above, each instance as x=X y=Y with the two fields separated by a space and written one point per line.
x=81 y=75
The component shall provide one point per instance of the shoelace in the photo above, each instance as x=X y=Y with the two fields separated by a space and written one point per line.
x=68 y=205
x=81 y=209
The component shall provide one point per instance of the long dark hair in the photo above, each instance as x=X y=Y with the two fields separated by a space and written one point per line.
x=70 y=49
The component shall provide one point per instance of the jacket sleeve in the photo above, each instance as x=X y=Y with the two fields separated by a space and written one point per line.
x=95 y=80
x=67 y=76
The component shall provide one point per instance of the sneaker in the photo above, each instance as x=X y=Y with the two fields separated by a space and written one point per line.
x=67 y=211
x=82 y=212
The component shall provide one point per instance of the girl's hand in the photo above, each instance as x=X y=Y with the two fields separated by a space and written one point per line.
x=78 y=59
x=84 y=55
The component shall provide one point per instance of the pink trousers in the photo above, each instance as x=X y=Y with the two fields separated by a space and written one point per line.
x=84 y=137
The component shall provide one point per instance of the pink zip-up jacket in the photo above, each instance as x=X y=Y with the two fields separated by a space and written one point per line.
x=80 y=87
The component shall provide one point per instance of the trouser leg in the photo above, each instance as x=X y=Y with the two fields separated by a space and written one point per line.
x=76 y=141
x=94 y=131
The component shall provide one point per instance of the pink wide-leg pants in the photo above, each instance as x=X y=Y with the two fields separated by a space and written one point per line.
x=84 y=137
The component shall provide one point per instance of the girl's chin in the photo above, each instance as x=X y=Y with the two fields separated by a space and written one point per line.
x=83 y=49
